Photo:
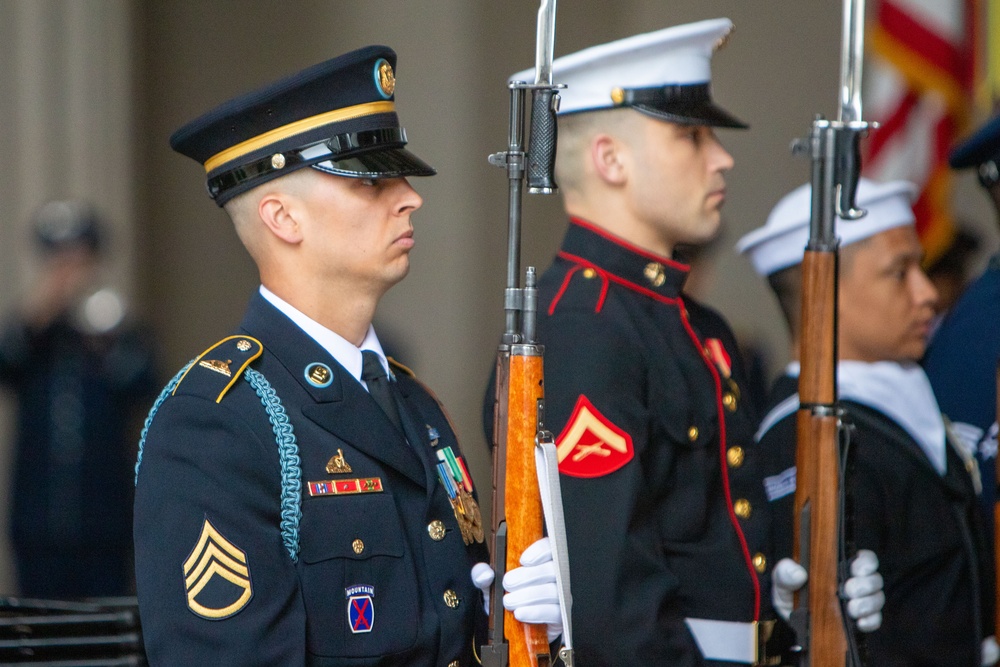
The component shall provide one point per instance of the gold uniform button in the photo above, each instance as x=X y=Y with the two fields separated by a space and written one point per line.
x=742 y=508
x=451 y=598
x=735 y=456
x=729 y=400
x=358 y=546
x=760 y=562
x=693 y=433
x=453 y=663
x=589 y=273
x=436 y=530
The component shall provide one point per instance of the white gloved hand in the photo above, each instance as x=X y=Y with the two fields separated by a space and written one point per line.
x=863 y=590
x=531 y=591
x=483 y=576
x=787 y=577
x=990 y=652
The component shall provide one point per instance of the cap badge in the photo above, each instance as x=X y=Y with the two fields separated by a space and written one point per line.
x=360 y=608
x=617 y=95
x=385 y=79
x=655 y=274
x=337 y=464
x=278 y=161
x=319 y=375
x=219 y=569
x=217 y=366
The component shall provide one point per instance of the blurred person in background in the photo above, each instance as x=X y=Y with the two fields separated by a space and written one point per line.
x=80 y=373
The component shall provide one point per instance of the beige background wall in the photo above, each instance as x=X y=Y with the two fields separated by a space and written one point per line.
x=90 y=91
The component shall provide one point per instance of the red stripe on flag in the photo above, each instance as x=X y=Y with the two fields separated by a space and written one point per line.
x=896 y=122
x=922 y=41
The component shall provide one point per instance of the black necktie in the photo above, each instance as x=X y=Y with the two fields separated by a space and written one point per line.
x=373 y=373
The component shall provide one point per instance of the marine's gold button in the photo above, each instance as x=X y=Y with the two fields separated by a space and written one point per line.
x=693 y=433
x=729 y=400
x=759 y=562
x=742 y=508
x=735 y=456
x=358 y=546
x=589 y=273
x=451 y=598
x=436 y=530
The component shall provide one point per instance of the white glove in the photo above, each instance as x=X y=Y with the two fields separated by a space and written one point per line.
x=863 y=589
x=787 y=577
x=483 y=576
x=865 y=598
x=531 y=591
x=990 y=651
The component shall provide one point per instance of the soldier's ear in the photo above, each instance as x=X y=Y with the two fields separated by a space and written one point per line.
x=608 y=159
x=282 y=213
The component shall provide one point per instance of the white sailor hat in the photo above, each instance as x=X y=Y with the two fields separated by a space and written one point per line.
x=780 y=243
x=665 y=74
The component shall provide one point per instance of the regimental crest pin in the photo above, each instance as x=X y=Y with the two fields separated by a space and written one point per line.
x=432 y=435
x=216 y=576
x=592 y=445
x=360 y=608
x=337 y=464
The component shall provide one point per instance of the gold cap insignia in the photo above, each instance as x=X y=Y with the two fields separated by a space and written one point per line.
x=655 y=274
x=217 y=366
x=385 y=78
x=617 y=95
x=218 y=563
x=337 y=464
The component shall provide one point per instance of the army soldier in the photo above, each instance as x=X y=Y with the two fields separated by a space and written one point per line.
x=914 y=499
x=301 y=499
x=665 y=514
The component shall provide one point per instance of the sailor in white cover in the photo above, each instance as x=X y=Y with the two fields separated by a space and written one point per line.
x=911 y=488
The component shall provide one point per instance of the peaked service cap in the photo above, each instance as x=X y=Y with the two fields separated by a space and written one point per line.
x=780 y=243
x=665 y=74
x=338 y=117
x=983 y=145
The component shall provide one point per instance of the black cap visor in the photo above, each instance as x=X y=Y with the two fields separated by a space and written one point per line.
x=686 y=105
x=381 y=163
x=378 y=153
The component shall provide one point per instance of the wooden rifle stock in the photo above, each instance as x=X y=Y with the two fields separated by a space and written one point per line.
x=529 y=645
x=817 y=460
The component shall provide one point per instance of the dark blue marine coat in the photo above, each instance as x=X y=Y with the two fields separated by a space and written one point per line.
x=665 y=513
x=376 y=579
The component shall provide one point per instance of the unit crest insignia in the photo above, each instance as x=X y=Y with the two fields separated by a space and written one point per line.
x=591 y=445
x=338 y=464
x=216 y=576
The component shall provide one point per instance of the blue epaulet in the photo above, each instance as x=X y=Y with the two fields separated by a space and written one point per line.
x=214 y=372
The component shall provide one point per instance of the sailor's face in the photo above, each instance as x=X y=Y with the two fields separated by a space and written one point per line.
x=886 y=302
x=678 y=183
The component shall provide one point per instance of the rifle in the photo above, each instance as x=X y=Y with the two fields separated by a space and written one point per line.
x=833 y=146
x=518 y=420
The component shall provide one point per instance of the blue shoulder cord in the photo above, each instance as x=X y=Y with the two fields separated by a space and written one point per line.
x=288 y=453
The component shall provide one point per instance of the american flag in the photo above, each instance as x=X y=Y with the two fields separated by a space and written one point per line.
x=920 y=88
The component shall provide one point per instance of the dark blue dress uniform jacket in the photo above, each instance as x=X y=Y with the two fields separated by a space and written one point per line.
x=217 y=463
x=657 y=539
x=925 y=530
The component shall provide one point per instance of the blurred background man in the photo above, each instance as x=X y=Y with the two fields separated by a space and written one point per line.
x=81 y=374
